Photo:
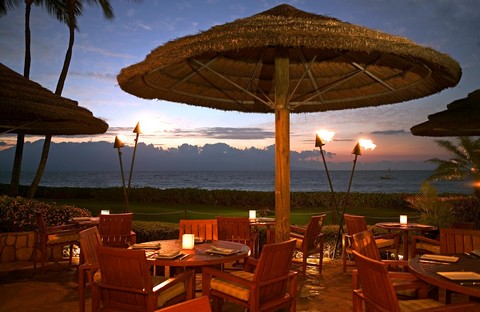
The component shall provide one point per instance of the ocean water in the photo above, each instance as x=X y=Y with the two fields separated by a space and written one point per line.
x=364 y=181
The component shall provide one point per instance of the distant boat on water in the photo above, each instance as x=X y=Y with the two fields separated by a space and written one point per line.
x=387 y=175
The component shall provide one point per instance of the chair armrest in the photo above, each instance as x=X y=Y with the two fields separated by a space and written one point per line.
x=296 y=235
x=61 y=230
x=250 y=264
x=297 y=229
x=417 y=238
x=395 y=264
x=186 y=277
x=388 y=236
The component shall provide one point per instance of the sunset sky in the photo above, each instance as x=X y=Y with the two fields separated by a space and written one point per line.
x=103 y=47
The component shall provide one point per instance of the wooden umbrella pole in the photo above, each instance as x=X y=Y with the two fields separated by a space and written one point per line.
x=282 y=147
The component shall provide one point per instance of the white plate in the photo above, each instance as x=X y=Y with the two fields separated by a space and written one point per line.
x=439 y=258
x=461 y=276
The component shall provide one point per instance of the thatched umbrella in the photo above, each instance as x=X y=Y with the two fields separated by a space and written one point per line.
x=285 y=60
x=26 y=107
x=461 y=118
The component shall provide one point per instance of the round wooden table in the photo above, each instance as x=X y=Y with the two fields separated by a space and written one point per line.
x=405 y=228
x=199 y=256
x=427 y=271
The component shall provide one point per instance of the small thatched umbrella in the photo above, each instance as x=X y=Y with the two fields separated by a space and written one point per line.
x=26 y=107
x=285 y=60
x=461 y=118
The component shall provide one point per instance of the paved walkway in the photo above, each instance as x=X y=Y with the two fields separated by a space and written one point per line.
x=24 y=289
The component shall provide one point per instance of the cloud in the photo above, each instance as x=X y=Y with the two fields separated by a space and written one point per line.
x=104 y=52
x=101 y=76
x=390 y=132
x=226 y=133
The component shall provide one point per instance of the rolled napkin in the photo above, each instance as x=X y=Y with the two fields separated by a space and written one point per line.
x=433 y=257
x=146 y=245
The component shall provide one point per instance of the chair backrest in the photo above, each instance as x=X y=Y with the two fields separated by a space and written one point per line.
x=463 y=225
x=126 y=281
x=206 y=228
x=200 y=304
x=313 y=230
x=354 y=223
x=115 y=229
x=234 y=229
x=364 y=243
x=89 y=240
x=274 y=262
x=377 y=288
x=459 y=240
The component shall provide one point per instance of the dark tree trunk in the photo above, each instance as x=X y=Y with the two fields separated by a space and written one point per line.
x=41 y=166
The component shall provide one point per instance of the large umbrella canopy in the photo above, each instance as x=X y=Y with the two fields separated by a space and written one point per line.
x=461 y=118
x=27 y=107
x=285 y=60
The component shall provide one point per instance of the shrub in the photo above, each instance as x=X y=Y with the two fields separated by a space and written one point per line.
x=18 y=214
x=151 y=231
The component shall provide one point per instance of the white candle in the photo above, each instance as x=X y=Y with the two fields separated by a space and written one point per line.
x=105 y=212
x=188 y=241
x=252 y=215
x=403 y=219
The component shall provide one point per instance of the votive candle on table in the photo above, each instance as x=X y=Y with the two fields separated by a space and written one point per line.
x=104 y=212
x=252 y=215
x=188 y=241
x=403 y=219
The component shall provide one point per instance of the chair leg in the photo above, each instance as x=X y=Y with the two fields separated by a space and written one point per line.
x=81 y=289
x=320 y=259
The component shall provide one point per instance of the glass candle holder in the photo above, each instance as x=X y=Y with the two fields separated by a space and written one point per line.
x=188 y=241
x=252 y=215
x=403 y=219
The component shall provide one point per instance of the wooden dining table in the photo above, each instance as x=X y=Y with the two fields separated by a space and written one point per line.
x=200 y=256
x=405 y=229
x=428 y=271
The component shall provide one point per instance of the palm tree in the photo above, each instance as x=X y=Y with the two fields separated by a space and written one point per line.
x=464 y=164
x=68 y=13
x=5 y=6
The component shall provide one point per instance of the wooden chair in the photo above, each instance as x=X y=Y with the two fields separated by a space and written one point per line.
x=403 y=282
x=237 y=229
x=266 y=284
x=89 y=240
x=355 y=224
x=309 y=241
x=116 y=230
x=378 y=293
x=126 y=283
x=205 y=228
x=422 y=244
x=50 y=237
x=200 y=304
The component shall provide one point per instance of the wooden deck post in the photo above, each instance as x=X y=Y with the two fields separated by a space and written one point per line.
x=282 y=147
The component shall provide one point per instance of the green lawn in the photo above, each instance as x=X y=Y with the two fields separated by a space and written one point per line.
x=166 y=212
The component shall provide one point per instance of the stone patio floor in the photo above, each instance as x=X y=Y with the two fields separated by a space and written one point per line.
x=24 y=289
